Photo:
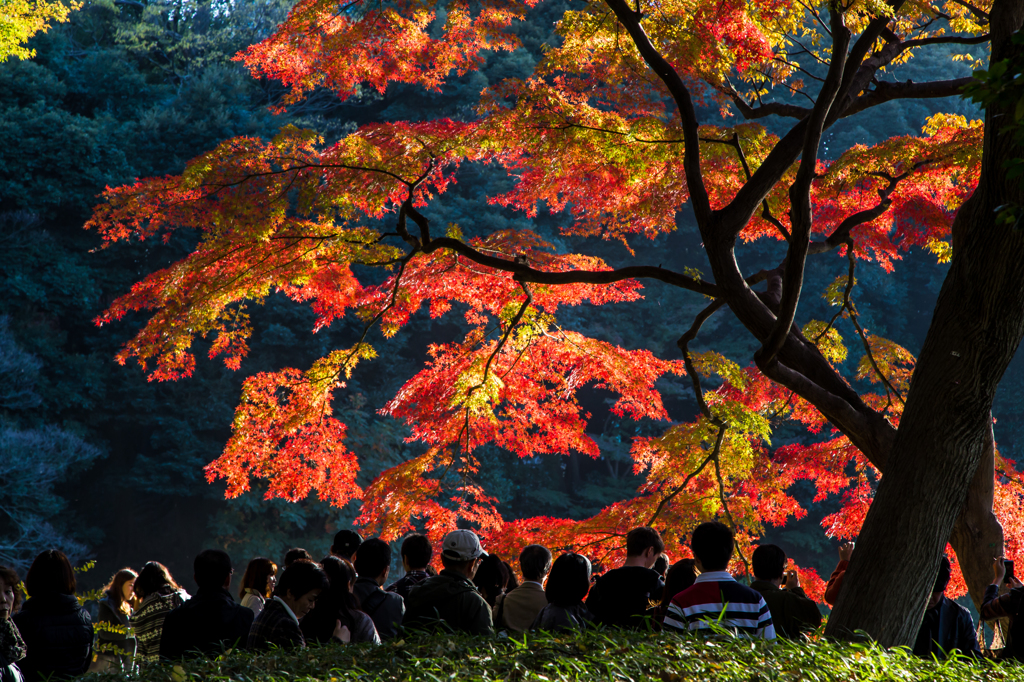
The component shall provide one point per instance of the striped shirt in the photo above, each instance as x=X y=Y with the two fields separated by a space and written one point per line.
x=716 y=597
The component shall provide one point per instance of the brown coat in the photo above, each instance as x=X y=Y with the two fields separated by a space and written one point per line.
x=518 y=609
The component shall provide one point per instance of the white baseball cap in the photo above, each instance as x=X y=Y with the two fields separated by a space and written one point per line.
x=462 y=545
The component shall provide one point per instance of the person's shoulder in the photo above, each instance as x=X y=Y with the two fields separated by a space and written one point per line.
x=732 y=589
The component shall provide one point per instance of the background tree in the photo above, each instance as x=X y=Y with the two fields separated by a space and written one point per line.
x=21 y=19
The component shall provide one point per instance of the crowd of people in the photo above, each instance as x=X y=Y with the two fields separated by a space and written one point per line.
x=147 y=616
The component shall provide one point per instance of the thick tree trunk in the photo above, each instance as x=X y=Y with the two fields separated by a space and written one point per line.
x=945 y=431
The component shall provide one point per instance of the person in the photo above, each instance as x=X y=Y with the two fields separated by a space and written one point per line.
x=373 y=562
x=57 y=630
x=567 y=586
x=338 y=603
x=946 y=625
x=12 y=646
x=345 y=544
x=681 y=575
x=210 y=622
x=416 y=556
x=159 y=595
x=1008 y=605
x=449 y=600
x=294 y=596
x=115 y=645
x=491 y=579
x=793 y=612
x=512 y=583
x=296 y=554
x=661 y=565
x=258 y=584
x=715 y=596
x=835 y=581
x=519 y=607
x=621 y=597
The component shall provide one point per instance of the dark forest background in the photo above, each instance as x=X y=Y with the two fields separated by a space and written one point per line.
x=107 y=466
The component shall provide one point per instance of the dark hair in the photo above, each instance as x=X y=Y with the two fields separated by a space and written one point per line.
x=769 y=562
x=416 y=548
x=373 y=558
x=296 y=554
x=257 y=576
x=712 y=545
x=152 y=578
x=115 y=588
x=341 y=574
x=535 y=562
x=10 y=577
x=50 y=573
x=346 y=542
x=212 y=568
x=945 y=570
x=660 y=565
x=569 y=580
x=301 y=577
x=491 y=578
x=513 y=582
x=639 y=539
x=680 y=576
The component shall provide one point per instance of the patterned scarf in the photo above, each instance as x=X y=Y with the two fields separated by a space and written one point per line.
x=12 y=646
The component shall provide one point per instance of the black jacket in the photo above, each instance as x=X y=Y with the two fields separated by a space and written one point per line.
x=385 y=608
x=58 y=636
x=207 y=624
x=449 y=601
x=945 y=627
x=621 y=597
x=793 y=612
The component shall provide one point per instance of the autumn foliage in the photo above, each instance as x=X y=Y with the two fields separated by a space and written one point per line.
x=600 y=133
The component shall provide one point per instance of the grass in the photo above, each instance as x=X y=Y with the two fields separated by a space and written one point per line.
x=599 y=655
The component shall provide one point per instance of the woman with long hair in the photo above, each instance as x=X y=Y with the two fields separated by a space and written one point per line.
x=491 y=578
x=57 y=630
x=159 y=595
x=12 y=646
x=680 y=576
x=338 y=603
x=567 y=586
x=115 y=644
x=258 y=583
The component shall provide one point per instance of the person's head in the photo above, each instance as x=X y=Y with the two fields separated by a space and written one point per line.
x=711 y=544
x=153 y=578
x=300 y=585
x=373 y=560
x=513 y=582
x=942 y=580
x=342 y=576
x=50 y=574
x=10 y=592
x=296 y=554
x=346 y=542
x=212 y=569
x=681 y=575
x=568 y=581
x=769 y=563
x=643 y=545
x=119 y=589
x=416 y=552
x=661 y=565
x=491 y=578
x=260 y=575
x=461 y=552
x=535 y=562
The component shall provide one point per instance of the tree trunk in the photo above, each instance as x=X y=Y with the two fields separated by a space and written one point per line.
x=945 y=431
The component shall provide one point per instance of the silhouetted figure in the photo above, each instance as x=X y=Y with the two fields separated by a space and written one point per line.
x=793 y=612
x=56 y=629
x=519 y=607
x=210 y=622
x=258 y=583
x=621 y=597
x=373 y=563
x=946 y=625
x=338 y=603
x=491 y=578
x=294 y=596
x=116 y=648
x=568 y=584
x=449 y=600
x=680 y=576
x=416 y=555
x=661 y=565
x=12 y=646
x=345 y=544
x=160 y=595
x=296 y=554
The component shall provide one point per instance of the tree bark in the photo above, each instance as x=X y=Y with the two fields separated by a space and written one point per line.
x=932 y=489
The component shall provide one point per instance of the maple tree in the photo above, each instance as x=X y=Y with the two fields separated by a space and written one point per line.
x=617 y=126
x=22 y=19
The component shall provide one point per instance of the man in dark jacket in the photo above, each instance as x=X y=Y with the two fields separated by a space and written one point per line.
x=793 y=612
x=621 y=597
x=946 y=625
x=211 y=621
x=450 y=600
x=416 y=555
x=373 y=563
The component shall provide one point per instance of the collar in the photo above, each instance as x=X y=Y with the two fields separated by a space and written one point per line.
x=287 y=608
x=765 y=585
x=448 y=573
x=531 y=582
x=715 y=577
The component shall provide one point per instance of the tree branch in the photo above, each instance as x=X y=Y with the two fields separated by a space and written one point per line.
x=885 y=92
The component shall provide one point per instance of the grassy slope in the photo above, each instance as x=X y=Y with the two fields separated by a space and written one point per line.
x=590 y=656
